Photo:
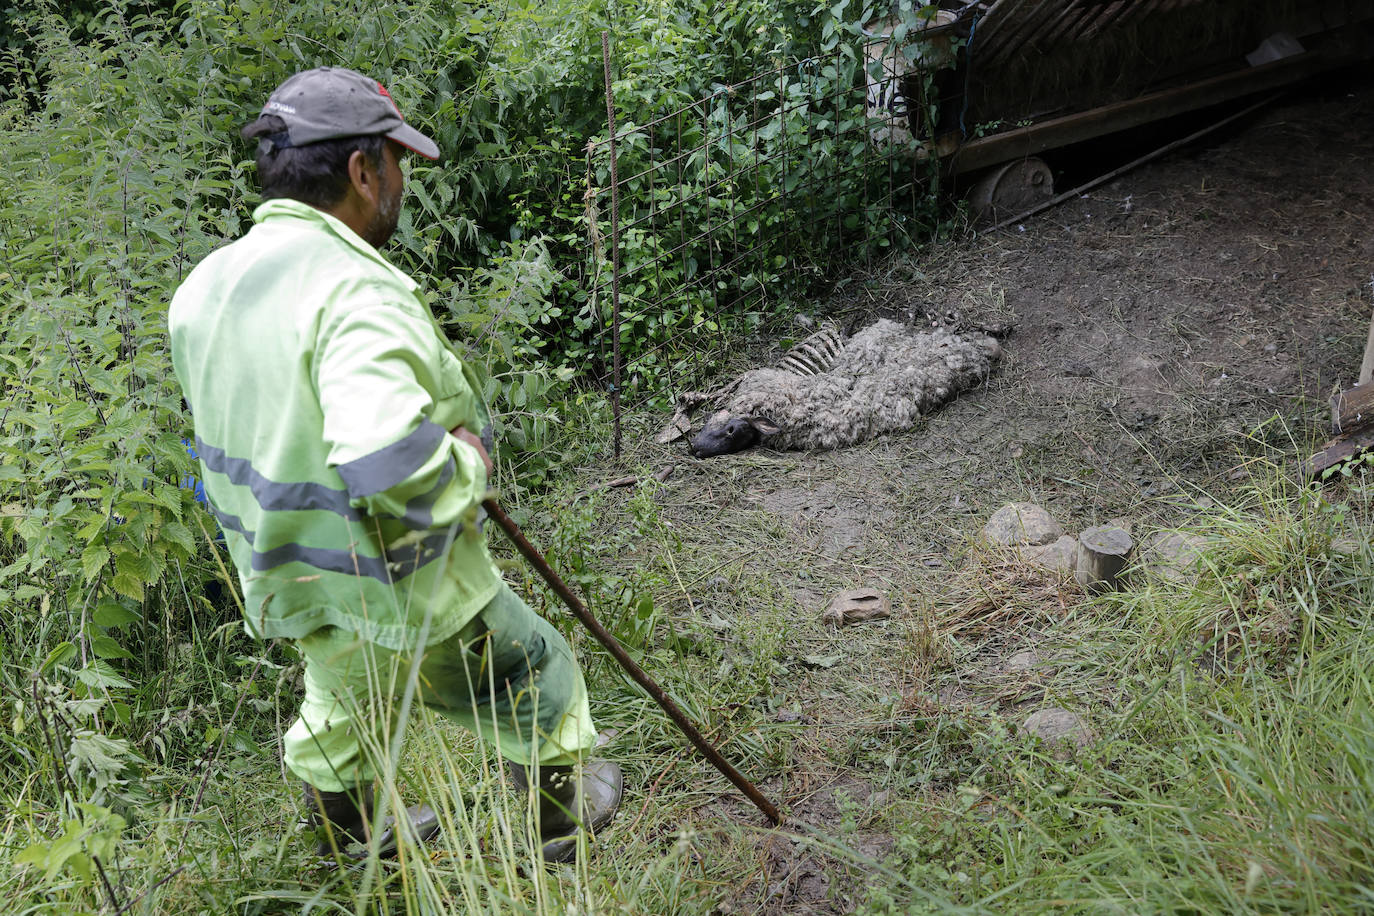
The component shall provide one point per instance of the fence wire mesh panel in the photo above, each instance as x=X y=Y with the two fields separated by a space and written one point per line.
x=748 y=197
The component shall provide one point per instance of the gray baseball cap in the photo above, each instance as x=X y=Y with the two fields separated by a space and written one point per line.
x=331 y=102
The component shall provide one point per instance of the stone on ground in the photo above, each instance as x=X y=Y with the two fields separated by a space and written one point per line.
x=1175 y=554
x=1058 y=726
x=1019 y=524
x=1023 y=661
x=1059 y=557
x=856 y=605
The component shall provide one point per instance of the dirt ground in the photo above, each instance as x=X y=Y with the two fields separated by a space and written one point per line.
x=1164 y=329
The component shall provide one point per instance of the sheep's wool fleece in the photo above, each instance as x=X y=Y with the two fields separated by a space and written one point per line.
x=884 y=379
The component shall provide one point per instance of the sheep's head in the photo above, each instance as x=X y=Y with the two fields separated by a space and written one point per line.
x=725 y=435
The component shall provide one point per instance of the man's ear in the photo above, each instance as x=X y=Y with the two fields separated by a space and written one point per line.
x=765 y=426
x=364 y=178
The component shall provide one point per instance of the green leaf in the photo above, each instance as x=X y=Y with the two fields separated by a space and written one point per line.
x=98 y=755
x=112 y=615
x=33 y=854
x=99 y=674
x=107 y=647
x=128 y=585
x=61 y=654
x=178 y=534
x=93 y=560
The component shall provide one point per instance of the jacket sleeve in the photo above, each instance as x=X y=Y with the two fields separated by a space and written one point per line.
x=381 y=370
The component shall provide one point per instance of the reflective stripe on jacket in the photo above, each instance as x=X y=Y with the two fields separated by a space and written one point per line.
x=323 y=393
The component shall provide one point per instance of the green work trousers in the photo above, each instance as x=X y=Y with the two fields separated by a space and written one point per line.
x=509 y=676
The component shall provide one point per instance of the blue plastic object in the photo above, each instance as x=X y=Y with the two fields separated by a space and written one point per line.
x=192 y=482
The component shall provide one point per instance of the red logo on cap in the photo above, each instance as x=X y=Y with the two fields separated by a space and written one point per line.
x=382 y=90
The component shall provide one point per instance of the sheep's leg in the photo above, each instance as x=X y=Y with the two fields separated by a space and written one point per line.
x=679 y=426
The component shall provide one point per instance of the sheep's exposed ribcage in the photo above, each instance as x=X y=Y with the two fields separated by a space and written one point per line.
x=815 y=354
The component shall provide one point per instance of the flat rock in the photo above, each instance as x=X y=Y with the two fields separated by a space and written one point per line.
x=1017 y=524
x=1059 y=557
x=1023 y=661
x=856 y=605
x=1058 y=726
x=1175 y=554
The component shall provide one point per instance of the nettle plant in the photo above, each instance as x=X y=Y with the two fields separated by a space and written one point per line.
x=735 y=201
x=104 y=557
x=734 y=210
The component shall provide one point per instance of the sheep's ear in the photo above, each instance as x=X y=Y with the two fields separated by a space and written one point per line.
x=765 y=426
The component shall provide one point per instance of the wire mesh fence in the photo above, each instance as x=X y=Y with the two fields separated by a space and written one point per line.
x=700 y=216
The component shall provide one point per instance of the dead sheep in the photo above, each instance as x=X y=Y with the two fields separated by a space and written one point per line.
x=830 y=392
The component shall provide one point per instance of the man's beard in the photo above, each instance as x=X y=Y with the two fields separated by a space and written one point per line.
x=383 y=222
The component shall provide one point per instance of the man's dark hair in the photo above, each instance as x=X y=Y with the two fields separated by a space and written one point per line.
x=315 y=174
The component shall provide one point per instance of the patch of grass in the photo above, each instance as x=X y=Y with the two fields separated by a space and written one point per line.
x=1234 y=719
x=1230 y=772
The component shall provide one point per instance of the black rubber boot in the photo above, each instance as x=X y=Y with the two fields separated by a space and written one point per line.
x=342 y=821
x=567 y=805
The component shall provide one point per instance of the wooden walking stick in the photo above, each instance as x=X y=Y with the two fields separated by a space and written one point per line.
x=618 y=652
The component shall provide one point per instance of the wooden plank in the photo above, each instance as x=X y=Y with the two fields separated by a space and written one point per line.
x=991 y=22
x=1352 y=409
x=1035 y=139
x=1068 y=24
x=1041 y=37
x=1338 y=450
x=1016 y=41
x=1153 y=154
x=1094 y=23
x=1115 y=18
x=1005 y=35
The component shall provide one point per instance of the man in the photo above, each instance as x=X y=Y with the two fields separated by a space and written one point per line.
x=344 y=450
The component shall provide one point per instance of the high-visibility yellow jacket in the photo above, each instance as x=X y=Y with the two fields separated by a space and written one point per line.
x=323 y=393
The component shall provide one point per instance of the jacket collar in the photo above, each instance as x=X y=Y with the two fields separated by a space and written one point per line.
x=284 y=208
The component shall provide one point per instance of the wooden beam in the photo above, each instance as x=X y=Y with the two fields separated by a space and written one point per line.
x=1135 y=163
x=1035 y=139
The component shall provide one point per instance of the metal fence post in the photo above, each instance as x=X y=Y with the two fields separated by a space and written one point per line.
x=615 y=244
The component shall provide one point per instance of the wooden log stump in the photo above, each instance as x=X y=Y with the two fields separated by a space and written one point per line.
x=1352 y=409
x=1102 y=555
